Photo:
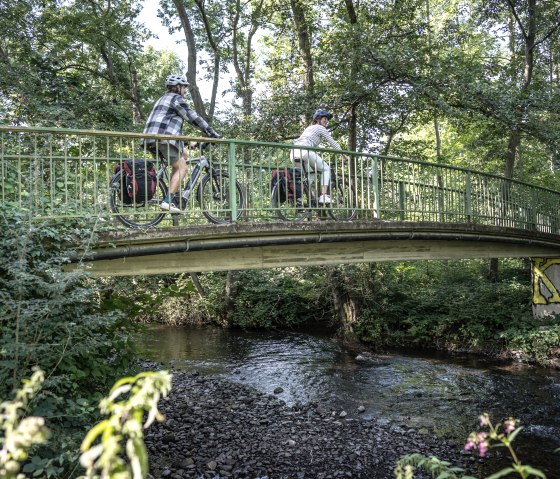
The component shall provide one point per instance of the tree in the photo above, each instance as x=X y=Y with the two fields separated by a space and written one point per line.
x=74 y=65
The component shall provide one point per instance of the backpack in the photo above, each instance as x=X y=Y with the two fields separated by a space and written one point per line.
x=138 y=184
x=282 y=178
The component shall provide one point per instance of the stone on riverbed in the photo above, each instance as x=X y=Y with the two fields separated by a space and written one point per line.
x=218 y=429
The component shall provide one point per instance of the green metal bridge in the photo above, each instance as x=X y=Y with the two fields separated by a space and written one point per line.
x=384 y=209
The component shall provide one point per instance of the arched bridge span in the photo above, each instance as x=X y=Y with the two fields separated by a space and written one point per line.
x=404 y=209
x=268 y=245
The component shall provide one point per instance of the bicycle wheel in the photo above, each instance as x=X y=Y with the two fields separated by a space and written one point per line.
x=343 y=201
x=214 y=197
x=136 y=215
x=287 y=210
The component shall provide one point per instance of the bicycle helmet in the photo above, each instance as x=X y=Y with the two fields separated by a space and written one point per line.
x=173 y=80
x=320 y=112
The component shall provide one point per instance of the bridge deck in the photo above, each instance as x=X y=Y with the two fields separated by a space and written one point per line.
x=433 y=210
x=249 y=246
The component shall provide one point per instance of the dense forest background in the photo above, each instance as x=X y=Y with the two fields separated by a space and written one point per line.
x=470 y=83
x=464 y=82
x=460 y=82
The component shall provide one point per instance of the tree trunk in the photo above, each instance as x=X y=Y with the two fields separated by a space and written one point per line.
x=353 y=129
x=197 y=285
x=242 y=61
x=230 y=292
x=344 y=304
x=354 y=69
x=137 y=116
x=304 y=41
x=493 y=270
x=529 y=35
x=191 y=58
x=217 y=56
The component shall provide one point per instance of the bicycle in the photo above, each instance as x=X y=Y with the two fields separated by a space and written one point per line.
x=341 y=191
x=212 y=194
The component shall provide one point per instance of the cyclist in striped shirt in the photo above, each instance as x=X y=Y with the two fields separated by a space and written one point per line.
x=166 y=118
x=312 y=136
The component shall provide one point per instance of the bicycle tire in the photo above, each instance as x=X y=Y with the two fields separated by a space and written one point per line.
x=343 y=205
x=136 y=216
x=287 y=210
x=213 y=196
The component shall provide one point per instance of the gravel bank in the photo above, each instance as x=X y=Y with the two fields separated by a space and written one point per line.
x=220 y=429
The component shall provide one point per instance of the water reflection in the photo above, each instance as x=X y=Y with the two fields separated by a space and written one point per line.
x=441 y=394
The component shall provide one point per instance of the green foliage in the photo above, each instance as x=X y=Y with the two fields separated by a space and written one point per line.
x=286 y=298
x=444 y=305
x=164 y=299
x=69 y=65
x=497 y=435
x=52 y=320
x=437 y=468
x=20 y=434
x=105 y=444
x=120 y=435
x=540 y=344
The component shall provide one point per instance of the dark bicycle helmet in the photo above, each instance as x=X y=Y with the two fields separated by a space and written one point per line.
x=320 y=112
x=173 y=80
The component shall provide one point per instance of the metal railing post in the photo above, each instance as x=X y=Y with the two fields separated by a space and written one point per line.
x=468 y=199
x=401 y=199
x=375 y=181
x=232 y=182
x=533 y=209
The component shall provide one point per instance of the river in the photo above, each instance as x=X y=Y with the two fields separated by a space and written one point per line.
x=435 y=394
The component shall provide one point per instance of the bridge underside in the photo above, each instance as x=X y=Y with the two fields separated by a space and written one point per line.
x=272 y=245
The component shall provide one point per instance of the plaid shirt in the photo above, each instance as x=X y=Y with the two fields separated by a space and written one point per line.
x=167 y=118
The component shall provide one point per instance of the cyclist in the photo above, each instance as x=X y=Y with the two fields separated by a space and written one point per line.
x=166 y=118
x=312 y=136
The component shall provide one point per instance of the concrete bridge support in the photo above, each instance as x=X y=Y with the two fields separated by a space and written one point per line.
x=546 y=287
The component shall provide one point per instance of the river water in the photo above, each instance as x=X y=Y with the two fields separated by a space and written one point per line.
x=434 y=394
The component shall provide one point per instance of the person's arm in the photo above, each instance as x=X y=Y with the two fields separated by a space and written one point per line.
x=325 y=134
x=195 y=119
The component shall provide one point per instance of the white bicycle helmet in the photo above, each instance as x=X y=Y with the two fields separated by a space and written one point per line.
x=173 y=80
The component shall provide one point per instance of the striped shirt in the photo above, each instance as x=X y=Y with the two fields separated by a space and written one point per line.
x=313 y=135
x=168 y=115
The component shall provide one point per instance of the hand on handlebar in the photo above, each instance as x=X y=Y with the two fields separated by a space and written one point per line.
x=195 y=145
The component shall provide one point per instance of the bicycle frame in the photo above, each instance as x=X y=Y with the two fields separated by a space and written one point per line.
x=202 y=165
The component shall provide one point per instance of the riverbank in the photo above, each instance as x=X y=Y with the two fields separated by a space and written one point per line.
x=216 y=428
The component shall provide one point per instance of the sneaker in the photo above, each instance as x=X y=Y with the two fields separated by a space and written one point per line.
x=323 y=199
x=171 y=207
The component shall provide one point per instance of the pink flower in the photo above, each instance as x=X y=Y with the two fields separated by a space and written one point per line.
x=484 y=419
x=509 y=425
x=482 y=448
x=469 y=445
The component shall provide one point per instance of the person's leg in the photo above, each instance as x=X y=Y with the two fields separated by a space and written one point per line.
x=317 y=164
x=178 y=171
x=296 y=156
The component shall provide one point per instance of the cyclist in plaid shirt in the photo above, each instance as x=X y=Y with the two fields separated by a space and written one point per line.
x=166 y=118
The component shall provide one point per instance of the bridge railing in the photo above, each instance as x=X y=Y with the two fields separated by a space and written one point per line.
x=58 y=173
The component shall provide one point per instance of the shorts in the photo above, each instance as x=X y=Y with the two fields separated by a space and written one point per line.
x=170 y=152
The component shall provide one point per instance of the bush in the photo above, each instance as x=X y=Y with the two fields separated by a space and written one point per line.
x=52 y=320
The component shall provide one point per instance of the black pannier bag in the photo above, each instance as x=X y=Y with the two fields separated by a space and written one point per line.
x=282 y=178
x=138 y=183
